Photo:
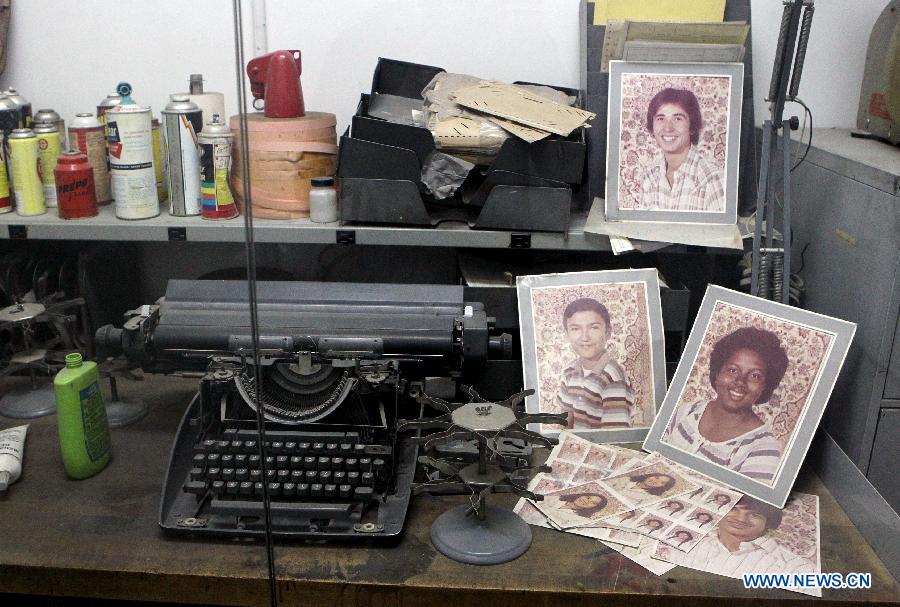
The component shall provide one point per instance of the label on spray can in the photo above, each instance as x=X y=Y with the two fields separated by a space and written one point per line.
x=88 y=136
x=49 y=147
x=159 y=162
x=5 y=200
x=75 y=186
x=181 y=122
x=215 y=164
x=25 y=169
x=130 y=140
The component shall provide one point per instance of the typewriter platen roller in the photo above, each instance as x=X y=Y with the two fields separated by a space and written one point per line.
x=338 y=364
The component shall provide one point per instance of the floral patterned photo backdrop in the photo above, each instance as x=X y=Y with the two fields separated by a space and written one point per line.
x=799 y=528
x=637 y=148
x=806 y=349
x=629 y=340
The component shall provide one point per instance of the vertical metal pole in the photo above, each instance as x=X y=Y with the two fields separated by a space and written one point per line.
x=762 y=191
x=786 y=218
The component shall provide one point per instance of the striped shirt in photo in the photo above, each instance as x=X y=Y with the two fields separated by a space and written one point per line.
x=697 y=185
x=755 y=454
x=597 y=398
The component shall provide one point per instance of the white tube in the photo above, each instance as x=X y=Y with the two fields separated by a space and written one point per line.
x=12 y=444
x=260 y=28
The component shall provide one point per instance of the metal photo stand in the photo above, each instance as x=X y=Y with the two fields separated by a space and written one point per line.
x=771 y=268
x=478 y=533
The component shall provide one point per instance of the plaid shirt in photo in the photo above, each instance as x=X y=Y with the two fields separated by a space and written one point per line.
x=697 y=186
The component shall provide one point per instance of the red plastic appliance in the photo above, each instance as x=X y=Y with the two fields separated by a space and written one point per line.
x=275 y=78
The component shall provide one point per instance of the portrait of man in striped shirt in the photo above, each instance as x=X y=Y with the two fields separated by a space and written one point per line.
x=681 y=178
x=594 y=389
x=745 y=368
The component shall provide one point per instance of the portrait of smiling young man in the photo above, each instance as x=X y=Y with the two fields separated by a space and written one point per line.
x=681 y=178
x=593 y=384
x=742 y=543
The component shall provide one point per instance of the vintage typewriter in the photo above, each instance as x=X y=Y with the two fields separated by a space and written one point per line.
x=339 y=364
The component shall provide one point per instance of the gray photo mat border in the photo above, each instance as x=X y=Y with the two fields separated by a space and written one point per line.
x=777 y=493
x=614 y=129
x=650 y=277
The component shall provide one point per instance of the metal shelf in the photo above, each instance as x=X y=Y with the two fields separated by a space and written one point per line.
x=165 y=227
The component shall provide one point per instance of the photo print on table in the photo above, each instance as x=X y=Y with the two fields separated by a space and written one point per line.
x=531 y=514
x=580 y=506
x=749 y=392
x=674 y=142
x=647 y=485
x=755 y=537
x=593 y=348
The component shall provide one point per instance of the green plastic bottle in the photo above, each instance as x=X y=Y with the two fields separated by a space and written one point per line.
x=81 y=413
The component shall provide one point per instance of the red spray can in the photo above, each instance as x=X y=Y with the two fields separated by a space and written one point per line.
x=75 y=193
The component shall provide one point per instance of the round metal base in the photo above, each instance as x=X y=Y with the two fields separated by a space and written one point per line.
x=122 y=413
x=25 y=402
x=501 y=537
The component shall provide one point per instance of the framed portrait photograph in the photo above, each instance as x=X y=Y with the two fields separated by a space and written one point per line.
x=749 y=392
x=593 y=348
x=673 y=142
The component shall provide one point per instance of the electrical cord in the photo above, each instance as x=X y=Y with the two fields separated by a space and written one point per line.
x=251 y=285
x=808 y=113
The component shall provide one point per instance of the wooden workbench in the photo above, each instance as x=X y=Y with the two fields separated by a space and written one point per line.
x=99 y=538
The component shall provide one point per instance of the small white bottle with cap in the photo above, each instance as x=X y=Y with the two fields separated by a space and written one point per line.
x=323 y=206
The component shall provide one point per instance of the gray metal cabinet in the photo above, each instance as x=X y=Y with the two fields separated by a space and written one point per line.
x=847 y=217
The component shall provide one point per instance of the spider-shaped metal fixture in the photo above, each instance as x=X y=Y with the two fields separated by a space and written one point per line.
x=487 y=422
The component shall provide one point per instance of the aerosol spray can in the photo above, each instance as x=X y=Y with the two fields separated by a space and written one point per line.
x=208 y=102
x=130 y=140
x=182 y=120
x=75 y=193
x=159 y=162
x=215 y=167
x=86 y=134
x=24 y=165
x=112 y=100
x=49 y=116
x=9 y=115
x=24 y=107
x=49 y=148
x=9 y=120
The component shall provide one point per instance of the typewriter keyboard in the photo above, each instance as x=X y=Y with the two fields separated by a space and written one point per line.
x=295 y=468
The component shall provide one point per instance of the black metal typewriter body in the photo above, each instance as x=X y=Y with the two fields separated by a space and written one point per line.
x=339 y=364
